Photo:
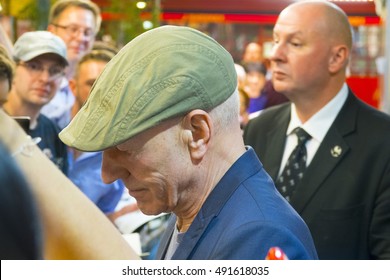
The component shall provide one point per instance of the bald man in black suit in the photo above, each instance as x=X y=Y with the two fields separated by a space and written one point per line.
x=344 y=194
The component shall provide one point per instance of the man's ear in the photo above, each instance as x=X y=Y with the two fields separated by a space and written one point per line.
x=338 y=59
x=51 y=28
x=198 y=127
x=72 y=86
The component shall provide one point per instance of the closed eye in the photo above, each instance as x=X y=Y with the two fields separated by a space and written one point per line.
x=296 y=44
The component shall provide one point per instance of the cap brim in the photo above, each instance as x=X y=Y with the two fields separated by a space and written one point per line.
x=37 y=53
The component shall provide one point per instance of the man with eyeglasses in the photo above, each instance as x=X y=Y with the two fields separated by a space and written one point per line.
x=40 y=59
x=76 y=22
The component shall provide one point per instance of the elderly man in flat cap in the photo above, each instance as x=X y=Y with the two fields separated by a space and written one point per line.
x=165 y=113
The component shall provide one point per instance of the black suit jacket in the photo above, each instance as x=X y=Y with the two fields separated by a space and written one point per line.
x=344 y=196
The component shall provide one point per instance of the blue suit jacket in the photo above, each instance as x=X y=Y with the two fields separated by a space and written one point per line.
x=243 y=217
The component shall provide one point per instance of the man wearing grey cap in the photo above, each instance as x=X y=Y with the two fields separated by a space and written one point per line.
x=40 y=60
x=165 y=113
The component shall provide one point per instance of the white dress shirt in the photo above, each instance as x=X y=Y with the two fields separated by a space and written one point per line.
x=317 y=126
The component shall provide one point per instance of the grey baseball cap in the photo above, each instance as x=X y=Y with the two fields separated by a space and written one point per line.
x=35 y=43
x=163 y=73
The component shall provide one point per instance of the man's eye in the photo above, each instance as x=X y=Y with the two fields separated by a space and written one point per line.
x=296 y=44
x=73 y=29
x=55 y=71
x=34 y=66
x=88 y=32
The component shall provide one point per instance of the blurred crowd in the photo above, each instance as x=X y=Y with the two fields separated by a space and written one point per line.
x=45 y=78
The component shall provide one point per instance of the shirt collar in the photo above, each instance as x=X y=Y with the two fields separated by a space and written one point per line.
x=318 y=125
x=64 y=82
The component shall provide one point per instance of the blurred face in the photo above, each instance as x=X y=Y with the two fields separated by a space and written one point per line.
x=76 y=26
x=301 y=52
x=254 y=83
x=88 y=72
x=36 y=81
x=253 y=53
x=152 y=165
x=4 y=89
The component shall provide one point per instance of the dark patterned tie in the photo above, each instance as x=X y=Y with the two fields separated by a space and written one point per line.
x=295 y=166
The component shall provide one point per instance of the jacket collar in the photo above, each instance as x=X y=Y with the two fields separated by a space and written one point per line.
x=246 y=166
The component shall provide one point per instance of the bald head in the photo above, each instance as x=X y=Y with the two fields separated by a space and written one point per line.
x=310 y=33
x=330 y=18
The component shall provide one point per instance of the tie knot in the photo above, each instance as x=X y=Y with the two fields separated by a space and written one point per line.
x=302 y=135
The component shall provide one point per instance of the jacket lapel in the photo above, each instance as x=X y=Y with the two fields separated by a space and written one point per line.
x=212 y=206
x=166 y=237
x=192 y=237
x=275 y=141
x=332 y=150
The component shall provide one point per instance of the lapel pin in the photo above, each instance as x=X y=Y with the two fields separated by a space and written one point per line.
x=336 y=151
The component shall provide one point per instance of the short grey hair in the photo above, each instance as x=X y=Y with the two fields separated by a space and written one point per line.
x=227 y=113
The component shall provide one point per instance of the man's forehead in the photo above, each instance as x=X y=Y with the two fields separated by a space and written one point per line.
x=76 y=14
x=296 y=24
x=292 y=29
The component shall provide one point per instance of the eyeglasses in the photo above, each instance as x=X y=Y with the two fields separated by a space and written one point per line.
x=36 y=69
x=74 y=30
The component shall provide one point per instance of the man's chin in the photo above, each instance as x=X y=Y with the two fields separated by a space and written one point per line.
x=281 y=88
x=150 y=211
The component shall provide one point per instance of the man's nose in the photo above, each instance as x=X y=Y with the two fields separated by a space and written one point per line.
x=108 y=167
x=277 y=52
x=45 y=75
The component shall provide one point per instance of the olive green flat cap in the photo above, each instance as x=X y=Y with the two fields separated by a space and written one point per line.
x=163 y=73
